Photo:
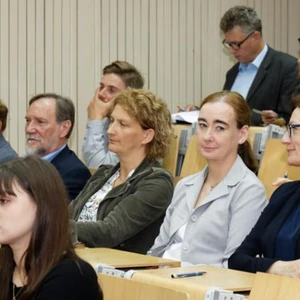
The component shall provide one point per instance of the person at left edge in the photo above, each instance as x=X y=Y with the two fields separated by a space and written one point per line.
x=49 y=122
x=6 y=151
x=37 y=259
x=123 y=206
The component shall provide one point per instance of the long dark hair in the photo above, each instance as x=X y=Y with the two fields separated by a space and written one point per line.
x=50 y=238
x=242 y=116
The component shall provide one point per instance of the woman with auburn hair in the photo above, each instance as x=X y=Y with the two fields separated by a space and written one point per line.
x=123 y=206
x=213 y=210
x=37 y=259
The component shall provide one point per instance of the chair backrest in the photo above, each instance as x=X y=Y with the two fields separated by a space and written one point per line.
x=193 y=161
x=125 y=289
x=274 y=287
x=273 y=164
x=170 y=161
x=252 y=131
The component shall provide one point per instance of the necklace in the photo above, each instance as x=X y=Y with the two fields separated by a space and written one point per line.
x=18 y=293
x=213 y=186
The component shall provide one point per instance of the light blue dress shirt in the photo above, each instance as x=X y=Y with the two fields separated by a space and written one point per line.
x=50 y=156
x=247 y=73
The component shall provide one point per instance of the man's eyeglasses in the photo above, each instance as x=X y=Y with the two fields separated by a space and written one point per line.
x=291 y=129
x=236 y=45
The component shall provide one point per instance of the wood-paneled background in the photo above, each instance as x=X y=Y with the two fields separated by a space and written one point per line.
x=62 y=45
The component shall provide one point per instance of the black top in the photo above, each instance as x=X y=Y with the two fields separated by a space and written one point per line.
x=69 y=280
x=258 y=251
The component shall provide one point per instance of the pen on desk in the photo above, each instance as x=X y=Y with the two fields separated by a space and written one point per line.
x=183 y=275
x=285 y=175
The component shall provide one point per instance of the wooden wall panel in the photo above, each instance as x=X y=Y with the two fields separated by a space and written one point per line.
x=62 y=45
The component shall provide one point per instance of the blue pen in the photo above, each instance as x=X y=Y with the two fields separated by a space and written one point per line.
x=183 y=275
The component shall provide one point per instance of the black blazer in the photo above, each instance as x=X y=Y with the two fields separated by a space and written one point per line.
x=272 y=86
x=72 y=170
x=261 y=240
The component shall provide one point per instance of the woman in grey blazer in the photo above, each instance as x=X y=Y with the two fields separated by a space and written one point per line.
x=212 y=211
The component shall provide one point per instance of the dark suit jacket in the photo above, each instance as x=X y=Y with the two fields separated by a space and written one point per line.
x=6 y=151
x=272 y=86
x=262 y=239
x=72 y=170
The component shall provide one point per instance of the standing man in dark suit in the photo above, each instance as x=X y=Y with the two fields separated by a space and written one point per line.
x=49 y=124
x=265 y=77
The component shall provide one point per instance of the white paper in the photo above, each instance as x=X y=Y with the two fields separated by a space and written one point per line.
x=186 y=116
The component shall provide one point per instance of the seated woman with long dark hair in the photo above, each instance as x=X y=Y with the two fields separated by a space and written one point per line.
x=37 y=259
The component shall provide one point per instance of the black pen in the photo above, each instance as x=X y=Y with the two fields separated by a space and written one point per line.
x=285 y=175
x=183 y=275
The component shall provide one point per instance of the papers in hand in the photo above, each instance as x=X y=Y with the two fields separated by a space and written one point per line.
x=186 y=116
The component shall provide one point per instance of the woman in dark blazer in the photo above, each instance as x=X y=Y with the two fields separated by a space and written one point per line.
x=273 y=245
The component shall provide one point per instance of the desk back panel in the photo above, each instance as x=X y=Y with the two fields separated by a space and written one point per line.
x=126 y=289
x=274 y=287
x=197 y=286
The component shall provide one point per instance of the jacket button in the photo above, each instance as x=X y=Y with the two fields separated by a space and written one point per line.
x=194 y=218
x=185 y=247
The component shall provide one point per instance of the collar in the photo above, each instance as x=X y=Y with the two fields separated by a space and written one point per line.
x=51 y=156
x=232 y=178
x=257 y=61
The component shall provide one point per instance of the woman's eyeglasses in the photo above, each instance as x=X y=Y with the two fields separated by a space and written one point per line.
x=291 y=129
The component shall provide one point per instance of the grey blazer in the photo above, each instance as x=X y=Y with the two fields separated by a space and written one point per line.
x=219 y=225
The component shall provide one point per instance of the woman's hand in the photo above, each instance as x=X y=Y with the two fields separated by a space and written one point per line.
x=286 y=268
x=280 y=180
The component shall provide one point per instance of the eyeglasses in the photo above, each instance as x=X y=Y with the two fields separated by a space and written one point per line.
x=236 y=45
x=291 y=129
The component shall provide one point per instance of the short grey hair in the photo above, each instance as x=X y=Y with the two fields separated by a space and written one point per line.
x=243 y=16
x=65 y=109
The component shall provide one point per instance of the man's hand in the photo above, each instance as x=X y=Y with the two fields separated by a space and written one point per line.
x=98 y=109
x=268 y=116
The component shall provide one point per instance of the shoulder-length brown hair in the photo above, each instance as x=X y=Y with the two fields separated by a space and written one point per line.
x=50 y=237
x=151 y=112
x=242 y=116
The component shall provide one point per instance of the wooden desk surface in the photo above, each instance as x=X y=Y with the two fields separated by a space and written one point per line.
x=236 y=281
x=122 y=259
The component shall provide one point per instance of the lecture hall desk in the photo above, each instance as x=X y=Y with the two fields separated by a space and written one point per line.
x=122 y=259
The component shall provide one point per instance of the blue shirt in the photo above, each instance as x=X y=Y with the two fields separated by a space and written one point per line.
x=285 y=246
x=247 y=73
x=50 y=156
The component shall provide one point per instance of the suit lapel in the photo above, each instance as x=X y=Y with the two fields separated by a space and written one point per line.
x=261 y=74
